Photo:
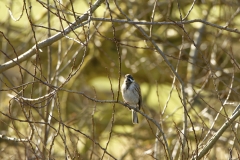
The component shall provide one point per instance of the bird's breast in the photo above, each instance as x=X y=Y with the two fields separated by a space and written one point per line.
x=129 y=95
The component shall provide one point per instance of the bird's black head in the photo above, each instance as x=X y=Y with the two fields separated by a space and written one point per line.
x=129 y=78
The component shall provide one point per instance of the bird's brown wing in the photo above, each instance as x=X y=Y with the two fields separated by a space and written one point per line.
x=138 y=90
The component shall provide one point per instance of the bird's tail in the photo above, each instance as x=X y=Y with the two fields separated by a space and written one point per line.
x=134 y=117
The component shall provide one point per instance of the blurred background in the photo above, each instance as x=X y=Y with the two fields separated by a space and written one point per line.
x=45 y=110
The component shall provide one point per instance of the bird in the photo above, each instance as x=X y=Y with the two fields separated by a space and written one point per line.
x=131 y=93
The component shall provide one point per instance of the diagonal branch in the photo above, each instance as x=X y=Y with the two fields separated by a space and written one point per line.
x=47 y=42
x=218 y=134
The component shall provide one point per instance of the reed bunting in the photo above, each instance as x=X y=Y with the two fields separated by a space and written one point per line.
x=131 y=93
